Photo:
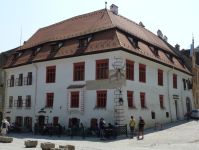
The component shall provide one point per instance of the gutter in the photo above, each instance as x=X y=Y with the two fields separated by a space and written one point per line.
x=35 y=94
x=169 y=93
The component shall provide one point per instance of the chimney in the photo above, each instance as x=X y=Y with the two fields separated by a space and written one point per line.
x=177 y=47
x=114 y=9
x=159 y=34
x=141 y=24
x=165 y=38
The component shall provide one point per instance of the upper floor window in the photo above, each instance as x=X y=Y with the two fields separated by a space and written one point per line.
x=28 y=101
x=142 y=100
x=83 y=42
x=54 y=47
x=174 y=81
x=20 y=79
x=142 y=73
x=15 y=57
x=154 y=50
x=50 y=74
x=74 y=99
x=28 y=80
x=134 y=42
x=19 y=101
x=161 y=101
x=169 y=57
x=101 y=99
x=12 y=81
x=79 y=71
x=34 y=52
x=102 y=69
x=130 y=98
x=129 y=70
x=160 y=77
x=50 y=99
x=10 y=101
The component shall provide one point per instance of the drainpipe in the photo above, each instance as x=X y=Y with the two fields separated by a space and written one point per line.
x=169 y=92
x=35 y=94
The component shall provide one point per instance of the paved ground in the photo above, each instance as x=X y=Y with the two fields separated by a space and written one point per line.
x=176 y=135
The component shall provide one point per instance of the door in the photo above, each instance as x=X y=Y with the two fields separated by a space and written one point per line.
x=176 y=106
x=1 y=118
x=188 y=104
x=41 y=120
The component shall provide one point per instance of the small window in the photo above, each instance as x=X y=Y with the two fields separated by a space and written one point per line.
x=170 y=57
x=79 y=71
x=83 y=42
x=74 y=100
x=174 y=81
x=12 y=81
x=134 y=42
x=54 y=47
x=153 y=115
x=142 y=100
x=160 y=77
x=29 y=78
x=142 y=73
x=102 y=69
x=28 y=101
x=130 y=98
x=50 y=99
x=161 y=101
x=15 y=57
x=34 y=52
x=101 y=99
x=154 y=50
x=50 y=74
x=129 y=70
x=167 y=114
x=10 y=101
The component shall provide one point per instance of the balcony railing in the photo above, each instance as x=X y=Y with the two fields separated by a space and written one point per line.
x=22 y=103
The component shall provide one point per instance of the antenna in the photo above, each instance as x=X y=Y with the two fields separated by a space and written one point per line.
x=21 y=35
x=105 y=5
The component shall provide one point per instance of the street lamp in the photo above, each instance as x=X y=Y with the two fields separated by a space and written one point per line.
x=121 y=101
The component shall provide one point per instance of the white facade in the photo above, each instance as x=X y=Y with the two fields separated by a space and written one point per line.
x=88 y=98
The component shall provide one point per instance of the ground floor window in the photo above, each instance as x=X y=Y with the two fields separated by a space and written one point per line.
x=73 y=122
x=19 y=121
x=28 y=122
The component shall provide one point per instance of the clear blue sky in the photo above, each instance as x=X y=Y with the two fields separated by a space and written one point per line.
x=177 y=19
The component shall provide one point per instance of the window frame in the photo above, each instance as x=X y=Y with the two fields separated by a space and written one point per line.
x=80 y=42
x=28 y=101
x=142 y=66
x=96 y=69
x=128 y=98
x=50 y=67
x=161 y=98
x=101 y=92
x=49 y=106
x=53 y=48
x=10 y=100
x=74 y=71
x=12 y=81
x=34 y=52
x=74 y=93
x=160 y=71
x=175 y=81
x=20 y=79
x=129 y=62
x=141 y=94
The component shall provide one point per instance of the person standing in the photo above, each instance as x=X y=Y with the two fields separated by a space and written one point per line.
x=8 y=125
x=4 y=127
x=132 y=126
x=141 y=127
x=102 y=129
x=188 y=115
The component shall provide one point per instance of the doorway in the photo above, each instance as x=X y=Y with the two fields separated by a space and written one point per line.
x=188 y=104
x=41 y=120
x=176 y=107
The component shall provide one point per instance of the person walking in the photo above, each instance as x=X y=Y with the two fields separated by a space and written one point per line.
x=102 y=129
x=141 y=127
x=132 y=126
x=4 y=127
x=188 y=115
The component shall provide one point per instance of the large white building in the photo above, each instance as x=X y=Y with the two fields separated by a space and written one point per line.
x=73 y=72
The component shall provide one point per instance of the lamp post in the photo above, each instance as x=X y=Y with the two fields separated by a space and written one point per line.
x=121 y=101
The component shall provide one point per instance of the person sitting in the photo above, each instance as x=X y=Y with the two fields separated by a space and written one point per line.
x=110 y=126
x=76 y=125
x=97 y=130
x=116 y=125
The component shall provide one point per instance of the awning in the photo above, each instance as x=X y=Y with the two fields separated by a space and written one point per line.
x=76 y=86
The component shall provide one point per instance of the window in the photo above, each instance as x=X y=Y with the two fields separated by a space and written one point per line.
x=79 y=71
x=19 y=101
x=130 y=98
x=174 y=81
x=28 y=122
x=28 y=101
x=154 y=50
x=10 y=101
x=54 y=47
x=19 y=120
x=170 y=57
x=20 y=80
x=142 y=99
x=142 y=73
x=50 y=98
x=102 y=69
x=83 y=42
x=34 y=52
x=134 y=42
x=15 y=57
x=153 y=115
x=160 y=77
x=12 y=81
x=101 y=99
x=167 y=114
x=55 y=121
x=50 y=74
x=161 y=101
x=74 y=100
x=28 y=80
x=129 y=70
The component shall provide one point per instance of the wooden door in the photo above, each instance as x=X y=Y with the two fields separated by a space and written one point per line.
x=41 y=120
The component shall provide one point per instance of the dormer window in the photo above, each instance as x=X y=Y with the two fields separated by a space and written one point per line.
x=54 y=48
x=134 y=42
x=34 y=52
x=154 y=50
x=83 y=42
x=170 y=57
x=15 y=57
x=181 y=62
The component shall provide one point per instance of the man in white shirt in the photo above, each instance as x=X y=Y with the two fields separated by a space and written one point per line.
x=8 y=125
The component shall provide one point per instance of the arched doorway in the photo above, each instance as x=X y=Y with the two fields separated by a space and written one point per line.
x=188 y=104
x=1 y=118
x=41 y=120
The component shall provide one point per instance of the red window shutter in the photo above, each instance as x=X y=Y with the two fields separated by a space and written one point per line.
x=50 y=99
x=142 y=73
x=50 y=74
x=101 y=99
x=175 y=81
x=79 y=71
x=161 y=101
x=160 y=77
x=129 y=70
x=102 y=69
x=74 y=100
x=142 y=99
x=130 y=98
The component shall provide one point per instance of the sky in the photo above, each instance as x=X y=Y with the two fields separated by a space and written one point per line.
x=177 y=19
